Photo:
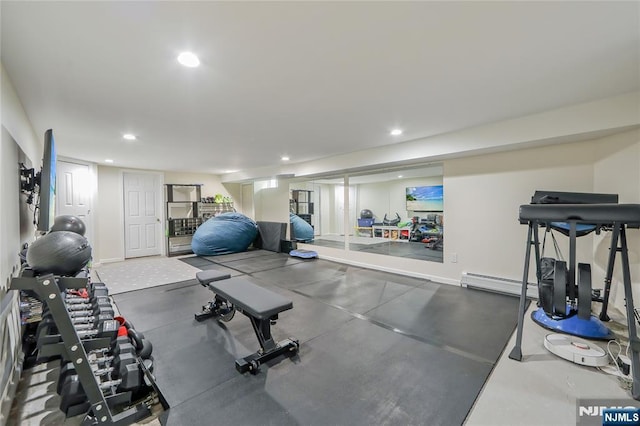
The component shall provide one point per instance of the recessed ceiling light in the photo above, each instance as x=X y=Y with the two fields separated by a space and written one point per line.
x=399 y=176
x=108 y=160
x=129 y=137
x=188 y=59
x=396 y=132
x=285 y=158
x=229 y=171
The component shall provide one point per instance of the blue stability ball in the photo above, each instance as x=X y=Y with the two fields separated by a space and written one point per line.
x=302 y=231
x=68 y=223
x=59 y=253
x=223 y=234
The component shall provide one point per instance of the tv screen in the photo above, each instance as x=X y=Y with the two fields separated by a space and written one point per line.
x=47 y=192
x=425 y=198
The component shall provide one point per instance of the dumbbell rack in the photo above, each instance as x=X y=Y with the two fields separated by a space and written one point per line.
x=49 y=289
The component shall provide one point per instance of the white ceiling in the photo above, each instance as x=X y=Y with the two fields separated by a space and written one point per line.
x=306 y=79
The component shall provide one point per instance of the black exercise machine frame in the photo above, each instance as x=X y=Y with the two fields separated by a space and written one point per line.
x=536 y=216
x=49 y=289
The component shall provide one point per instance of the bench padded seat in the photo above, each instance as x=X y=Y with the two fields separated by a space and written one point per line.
x=206 y=277
x=251 y=298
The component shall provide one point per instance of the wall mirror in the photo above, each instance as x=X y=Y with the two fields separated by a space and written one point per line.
x=397 y=212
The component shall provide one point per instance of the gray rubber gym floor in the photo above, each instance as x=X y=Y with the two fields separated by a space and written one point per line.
x=412 y=250
x=375 y=348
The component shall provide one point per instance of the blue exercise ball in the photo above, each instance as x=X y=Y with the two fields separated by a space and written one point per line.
x=226 y=233
x=68 y=223
x=302 y=231
x=59 y=253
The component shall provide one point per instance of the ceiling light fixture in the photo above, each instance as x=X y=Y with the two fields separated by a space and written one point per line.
x=396 y=132
x=108 y=160
x=129 y=137
x=399 y=176
x=285 y=158
x=188 y=59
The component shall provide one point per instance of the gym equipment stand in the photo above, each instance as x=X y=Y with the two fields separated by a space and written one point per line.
x=49 y=289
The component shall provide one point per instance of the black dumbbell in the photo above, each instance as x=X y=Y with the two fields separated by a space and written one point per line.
x=73 y=400
x=117 y=364
x=92 y=319
x=105 y=329
x=88 y=304
x=70 y=298
x=101 y=309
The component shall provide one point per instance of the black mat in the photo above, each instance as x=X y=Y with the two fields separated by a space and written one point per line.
x=358 y=375
x=476 y=322
x=376 y=348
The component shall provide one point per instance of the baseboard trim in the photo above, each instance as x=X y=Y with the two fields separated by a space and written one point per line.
x=112 y=260
x=435 y=278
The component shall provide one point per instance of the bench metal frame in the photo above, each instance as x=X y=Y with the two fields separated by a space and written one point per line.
x=222 y=308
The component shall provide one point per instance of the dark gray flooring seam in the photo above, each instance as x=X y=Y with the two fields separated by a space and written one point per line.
x=432 y=342
x=160 y=285
x=250 y=274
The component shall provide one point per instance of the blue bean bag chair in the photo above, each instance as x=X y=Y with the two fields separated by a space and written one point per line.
x=223 y=234
x=302 y=231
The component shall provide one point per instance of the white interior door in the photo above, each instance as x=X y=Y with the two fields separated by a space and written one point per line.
x=73 y=193
x=141 y=215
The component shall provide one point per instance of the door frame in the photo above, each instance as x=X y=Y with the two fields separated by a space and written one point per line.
x=93 y=189
x=159 y=207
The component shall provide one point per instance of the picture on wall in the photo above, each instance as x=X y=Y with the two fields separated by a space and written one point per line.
x=425 y=198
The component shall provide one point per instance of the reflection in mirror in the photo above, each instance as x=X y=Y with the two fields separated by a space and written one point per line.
x=395 y=213
x=400 y=213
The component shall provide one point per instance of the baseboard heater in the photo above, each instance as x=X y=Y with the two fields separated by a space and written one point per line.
x=497 y=284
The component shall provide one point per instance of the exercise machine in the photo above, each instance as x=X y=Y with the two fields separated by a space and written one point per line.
x=614 y=217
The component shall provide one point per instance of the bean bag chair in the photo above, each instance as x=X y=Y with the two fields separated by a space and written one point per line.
x=226 y=233
x=302 y=231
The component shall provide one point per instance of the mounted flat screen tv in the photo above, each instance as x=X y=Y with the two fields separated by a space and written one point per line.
x=425 y=198
x=47 y=191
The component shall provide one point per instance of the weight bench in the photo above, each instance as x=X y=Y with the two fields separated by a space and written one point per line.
x=262 y=306
x=212 y=308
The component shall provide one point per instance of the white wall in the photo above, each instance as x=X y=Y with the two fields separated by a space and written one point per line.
x=18 y=142
x=617 y=170
x=211 y=184
x=109 y=216
x=482 y=198
x=272 y=204
x=109 y=246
